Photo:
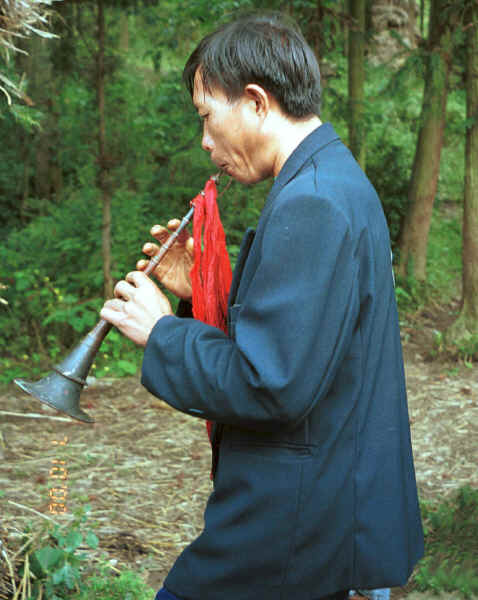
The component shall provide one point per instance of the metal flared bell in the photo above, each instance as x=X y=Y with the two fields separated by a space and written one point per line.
x=58 y=392
x=62 y=387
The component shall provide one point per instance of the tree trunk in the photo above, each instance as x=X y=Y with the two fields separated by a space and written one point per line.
x=412 y=21
x=26 y=160
x=356 y=79
x=467 y=322
x=103 y=182
x=345 y=28
x=319 y=31
x=422 y=18
x=124 y=33
x=426 y=164
x=41 y=89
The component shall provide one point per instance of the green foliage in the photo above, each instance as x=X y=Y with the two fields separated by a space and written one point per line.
x=391 y=128
x=28 y=117
x=51 y=246
x=19 y=20
x=451 y=545
x=61 y=568
x=117 y=357
x=444 y=251
x=467 y=349
x=456 y=343
x=443 y=264
x=452 y=165
x=57 y=565
x=392 y=117
x=127 y=586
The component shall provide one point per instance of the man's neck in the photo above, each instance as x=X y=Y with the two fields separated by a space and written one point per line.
x=289 y=135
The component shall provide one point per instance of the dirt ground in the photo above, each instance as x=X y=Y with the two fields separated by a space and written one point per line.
x=144 y=468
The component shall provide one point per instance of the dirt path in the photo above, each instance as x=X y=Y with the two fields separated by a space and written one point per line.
x=144 y=468
x=443 y=406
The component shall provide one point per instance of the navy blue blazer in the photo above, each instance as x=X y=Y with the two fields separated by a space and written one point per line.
x=315 y=488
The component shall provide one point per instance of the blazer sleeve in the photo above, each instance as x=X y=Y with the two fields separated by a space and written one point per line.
x=292 y=328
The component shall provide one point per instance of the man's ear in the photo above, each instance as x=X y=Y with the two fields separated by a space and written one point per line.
x=261 y=98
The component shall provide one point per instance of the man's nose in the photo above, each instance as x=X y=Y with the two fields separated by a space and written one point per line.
x=206 y=143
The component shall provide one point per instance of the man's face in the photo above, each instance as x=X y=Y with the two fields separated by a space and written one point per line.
x=231 y=133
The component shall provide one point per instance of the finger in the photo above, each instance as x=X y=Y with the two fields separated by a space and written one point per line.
x=115 y=304
x=160 y=233
x=137 y=278
x=190 y=246
x=113 y=311
x=142 y=264
x=124 y=290
x=150 y=249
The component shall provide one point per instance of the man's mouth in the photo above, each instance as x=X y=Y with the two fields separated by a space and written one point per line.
x=222 y=166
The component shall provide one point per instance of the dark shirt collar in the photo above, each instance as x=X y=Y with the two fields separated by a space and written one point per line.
x=314 y=142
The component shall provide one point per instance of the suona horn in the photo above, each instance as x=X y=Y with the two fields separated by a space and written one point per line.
x=62 y=387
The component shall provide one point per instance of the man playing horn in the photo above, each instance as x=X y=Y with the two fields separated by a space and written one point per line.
x=314 y=485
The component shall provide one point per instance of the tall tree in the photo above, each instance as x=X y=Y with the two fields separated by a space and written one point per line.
x=41 y=89
x=426 y=164
x=103 y=175
x=356 y=79
x=412 y=21
x=467 y=322
x=422 y=17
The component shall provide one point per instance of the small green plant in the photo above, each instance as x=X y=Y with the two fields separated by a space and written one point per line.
x=56 y=568
x=126 y=586
x=468 y=350
x=58 y=565
x=405 y=300
x=438 y=343
x=451 y=545
x=411 y=294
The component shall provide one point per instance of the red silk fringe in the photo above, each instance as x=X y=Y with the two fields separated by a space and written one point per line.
x=211 y=273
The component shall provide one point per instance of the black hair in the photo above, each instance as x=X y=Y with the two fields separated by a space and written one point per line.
x=267 y=49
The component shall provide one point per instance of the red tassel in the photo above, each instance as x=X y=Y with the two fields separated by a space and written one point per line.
x=211 y=273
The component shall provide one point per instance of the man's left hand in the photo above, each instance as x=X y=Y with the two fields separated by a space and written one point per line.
x=137 y=306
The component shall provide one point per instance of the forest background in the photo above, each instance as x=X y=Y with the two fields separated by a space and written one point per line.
x=100 y=141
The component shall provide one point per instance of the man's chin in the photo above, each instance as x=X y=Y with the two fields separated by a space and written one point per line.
x=242 y=178
x=227 y=170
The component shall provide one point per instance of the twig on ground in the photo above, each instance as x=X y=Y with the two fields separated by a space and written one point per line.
x=34 y=416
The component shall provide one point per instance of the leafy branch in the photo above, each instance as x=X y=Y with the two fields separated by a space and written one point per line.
x=18 y=20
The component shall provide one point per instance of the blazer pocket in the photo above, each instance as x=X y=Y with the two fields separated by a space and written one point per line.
x=279 y=450
x=255 y=505
x=232 y=316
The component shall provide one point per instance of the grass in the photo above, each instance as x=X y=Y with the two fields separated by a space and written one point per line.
x=451 y=545
x=444 y=253
x=127 y=586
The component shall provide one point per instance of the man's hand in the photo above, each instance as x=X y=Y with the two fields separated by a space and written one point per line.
x=173 y=270
x=138 y=305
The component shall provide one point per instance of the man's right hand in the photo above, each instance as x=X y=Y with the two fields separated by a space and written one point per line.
x=174 y=269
